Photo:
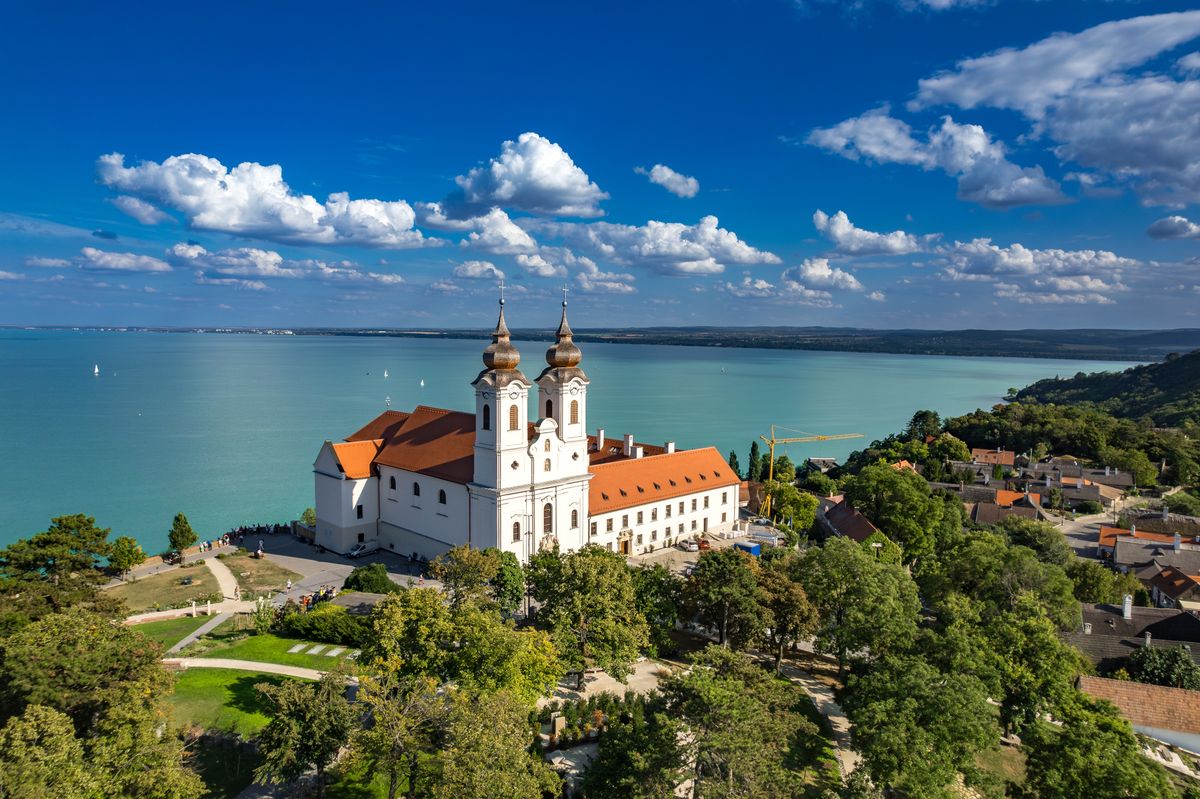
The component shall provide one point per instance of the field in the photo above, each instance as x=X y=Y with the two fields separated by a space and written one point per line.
x=221 y=699
x=233 y=640
x=169 y=632
x=165 y=590
x=256 y=577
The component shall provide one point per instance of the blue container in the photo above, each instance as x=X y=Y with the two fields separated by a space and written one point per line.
x=751 y=549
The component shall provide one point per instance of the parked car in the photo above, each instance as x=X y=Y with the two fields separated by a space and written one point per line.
x=689 y=546
x=704 y=545
x=358 y=551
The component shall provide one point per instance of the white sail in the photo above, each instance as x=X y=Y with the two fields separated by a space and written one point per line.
x=96 y=370
x=385 y=374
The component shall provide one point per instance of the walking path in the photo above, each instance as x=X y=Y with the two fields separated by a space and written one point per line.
x=828 y=707
x=227 y=606
x=204 y=629
x=225 y=578
x=243 y=665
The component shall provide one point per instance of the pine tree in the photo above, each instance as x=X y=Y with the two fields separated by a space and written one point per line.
x=754 y=468
x=182 y=535
x=733 y=463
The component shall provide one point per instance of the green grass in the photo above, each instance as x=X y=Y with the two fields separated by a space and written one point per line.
x=165 y=590
x=256 y=577
x=228 y=642
x=169 y=632
x=221 y=699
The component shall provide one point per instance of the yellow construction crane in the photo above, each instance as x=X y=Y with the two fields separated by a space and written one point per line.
x=765 y=510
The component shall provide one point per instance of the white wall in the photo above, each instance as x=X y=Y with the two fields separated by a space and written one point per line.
x=666 y=529
x=415 y=523
x=337 y=499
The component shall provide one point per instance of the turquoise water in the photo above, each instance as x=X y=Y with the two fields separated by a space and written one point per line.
x=225 y=427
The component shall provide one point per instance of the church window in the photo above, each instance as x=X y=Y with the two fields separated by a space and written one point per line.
x=668 y=510
x=549 y=408
x=546 y=465
x=680 y=508
x=513 y=421
x=516 y=531
x=693 y=503
x=574 y=411
x=654 y=514
x=487 y=417
x=547 y=518
x=392 y=482
x=574 y=519
x=416 y=489
x=441 y=496
x=724 y=497
x=546 y=446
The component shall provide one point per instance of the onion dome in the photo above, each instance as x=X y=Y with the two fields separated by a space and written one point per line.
x=501 y=355
x=564 y=354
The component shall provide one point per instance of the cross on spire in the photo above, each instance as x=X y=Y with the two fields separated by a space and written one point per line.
x=502 y=291
x=565 y=289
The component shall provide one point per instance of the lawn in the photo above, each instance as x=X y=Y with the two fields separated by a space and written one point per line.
x=221 y=699
x=169 y=632
x=257 y=576
x=228 y=641
x=1006 y=763
x=166 y=589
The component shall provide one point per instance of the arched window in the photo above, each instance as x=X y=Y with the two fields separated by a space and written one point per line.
x=574 y=411
x=549 y=408
x=416 y=489
x=516 y=531
x=487 y=417
x=441 y=496
x=548 y=518
x=512 y=417
x=392 y=482
x=574 y=518
x=546 y=446
x=546 y=465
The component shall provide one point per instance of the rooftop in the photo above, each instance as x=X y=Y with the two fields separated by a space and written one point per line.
x=1154 y=706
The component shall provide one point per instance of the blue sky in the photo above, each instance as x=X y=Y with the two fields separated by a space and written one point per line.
x=890 y=163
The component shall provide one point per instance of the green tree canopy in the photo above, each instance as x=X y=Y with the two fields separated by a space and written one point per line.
x=789 y=616
x=466 y=573
x=899 y=503
x=659 y=595
x=373 y=579
x=181 y=535
x=754 y=470
x=406 y=714
x=41 y=757
x=733 y=463
x=310 y=722
x=923 y=424
x=126 y=553
x=640 y=757
x=508 y=584
x=1043 y=538
x=1172 y=667
x=722 y=592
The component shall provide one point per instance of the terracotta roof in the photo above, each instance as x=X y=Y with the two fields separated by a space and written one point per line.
x=991 y=513
x=1109 y=535
x=637 y=481
x=1174 y=583
x=1155 y=706
x=432 y=441
x=903 y=465
x=613 y=449
x=356 y=457
x=1002 y=457
x=379 y=427
x=1006 y=498
x=849 y=522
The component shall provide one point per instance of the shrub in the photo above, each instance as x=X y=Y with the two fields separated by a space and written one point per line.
x=1089 y=506
x=330 y=624
x=373 y=579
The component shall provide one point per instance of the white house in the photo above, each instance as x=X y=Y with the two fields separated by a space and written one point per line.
x=427 y=480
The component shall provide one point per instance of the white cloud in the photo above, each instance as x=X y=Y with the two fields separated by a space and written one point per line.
x=877 y=296
x=140 y=210
x=233 y=282
x=967 y=152
x=1034 y=276
x=478 y=270
x=592 y=280
x=236 y=262
x=101 y=261
x=531 y=174
x=751 y=287
x=445 y=286
x=853 y=240
x=48 y=263
x=1032 y=78
x=11 y=276
x=1174 y=227
x=678 y=184
x=537 y=265
x=495 y=232
x=668 y=247
x=253 y=200
x=1190 y=63
x=817 y=272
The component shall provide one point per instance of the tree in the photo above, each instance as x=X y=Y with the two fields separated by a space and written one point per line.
x=181 y=535
x=486 y=752
x=785 y=470
x=754 y=470
x=791 y=617
x=40 y=757
x=590 y=609
x=899 y=503
x=1045 y=539
x=948 y=448
x=405 y=715
x=863 y=605
x=658 y=594
x=413 y=634
x=742 y=734
x=1094 y=753
x=640 y=757
x=310 y=722
x=309 y=517
x=733 y=463
x=466 y=572
x=489 y=655
x=795 y=509
x=1172 y=667
x=922 y=425
x=722 y=591
x=818 y=483
x=1101 y=585
x=917 y=728
x=373 y=579
x=508 y=584
x=126 y=553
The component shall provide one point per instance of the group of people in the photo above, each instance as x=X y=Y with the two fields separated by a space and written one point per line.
x=310 y=601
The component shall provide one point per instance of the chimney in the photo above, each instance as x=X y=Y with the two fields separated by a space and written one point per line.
x=600 y=439
x=1133 y=529
x=1087 y=628
x=637 y=452
x=1047 y=480
x=1166 y=513
x=1079 y=482
x=669 y=447
x=628 y=448
x=1127 y=607
x=1178 y=542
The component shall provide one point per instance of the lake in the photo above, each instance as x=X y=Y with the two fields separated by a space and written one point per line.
x=225 y=427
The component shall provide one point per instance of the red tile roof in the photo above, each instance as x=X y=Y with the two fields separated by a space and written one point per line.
x=432 y=441
x=1156 y=706
x=1008 y=498
x=1174 y=583
x=623 y=484
x=1109 y=535
x=849 y=522
x=1002 y=457
x=356 y=457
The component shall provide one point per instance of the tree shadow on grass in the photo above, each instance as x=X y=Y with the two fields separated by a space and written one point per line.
x=243 y=693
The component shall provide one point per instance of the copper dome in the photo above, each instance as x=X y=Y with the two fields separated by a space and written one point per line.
x=564 y=354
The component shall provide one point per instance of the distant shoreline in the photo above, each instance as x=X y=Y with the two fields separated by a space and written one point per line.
x=1084 y=344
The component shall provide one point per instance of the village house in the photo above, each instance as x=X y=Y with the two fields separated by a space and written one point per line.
x=1170 y=715
x=839 y=518
x=1109 y=634
x=1174 y=588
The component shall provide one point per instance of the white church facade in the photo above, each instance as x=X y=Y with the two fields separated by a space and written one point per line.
x=424 y=481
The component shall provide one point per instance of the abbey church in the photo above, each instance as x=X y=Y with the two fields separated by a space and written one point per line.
x=430 y=479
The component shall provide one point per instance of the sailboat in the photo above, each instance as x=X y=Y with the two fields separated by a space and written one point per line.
x=385 y=374
x=96 y=370
x=422 y=382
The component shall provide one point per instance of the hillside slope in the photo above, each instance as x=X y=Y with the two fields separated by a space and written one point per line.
x=1167 y=392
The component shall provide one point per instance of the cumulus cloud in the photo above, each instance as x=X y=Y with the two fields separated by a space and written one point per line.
x=48 y=263
x=102 y=261
x=1174 y=227
x=537 y=265
x=233 y=282
x=1030 y=79
x=817 y=272
x=11 y=275
x=967 y=152
x=852 y=240
x=592 y=280
x=1037 y=276
x=235 y=262
x=253 y=200
x=877 y=296
x=1190 y=63
x=478 y=270
x=445 y=286
x=678 y=184
x=668 y=247
x=140 y=210
x=751 y=286
x=531 y=174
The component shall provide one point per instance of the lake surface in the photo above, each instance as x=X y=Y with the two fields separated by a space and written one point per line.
x=225 y=427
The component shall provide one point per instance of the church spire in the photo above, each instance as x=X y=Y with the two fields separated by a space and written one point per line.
x=501 y=355
x=564 y=354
